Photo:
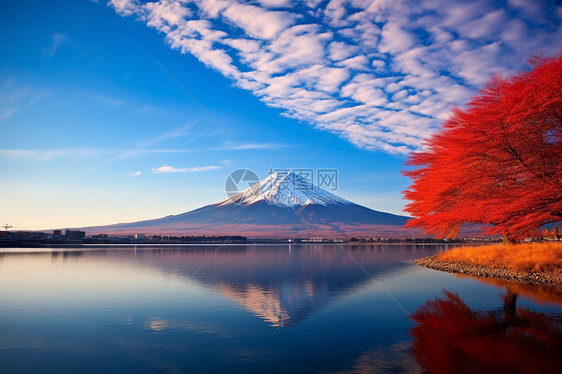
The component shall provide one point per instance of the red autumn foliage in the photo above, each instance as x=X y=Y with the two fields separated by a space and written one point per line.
x=452 y=338
x=498 y=162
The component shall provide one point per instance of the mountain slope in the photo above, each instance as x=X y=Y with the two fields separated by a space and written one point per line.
x=281 y=205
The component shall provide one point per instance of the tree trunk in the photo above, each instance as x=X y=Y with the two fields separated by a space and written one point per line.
x=510 y=305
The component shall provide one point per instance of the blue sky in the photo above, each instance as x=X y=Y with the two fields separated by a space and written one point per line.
x=93 y=131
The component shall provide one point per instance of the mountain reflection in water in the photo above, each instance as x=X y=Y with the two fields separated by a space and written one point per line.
x=283 y=285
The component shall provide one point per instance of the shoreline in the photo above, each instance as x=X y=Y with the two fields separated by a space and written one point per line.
x=552 y=279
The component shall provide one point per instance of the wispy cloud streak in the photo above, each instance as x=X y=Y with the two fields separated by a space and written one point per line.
x=166 y=169
x=46 y=155
x=173 y=134
x=57 y=40
x=16 y=98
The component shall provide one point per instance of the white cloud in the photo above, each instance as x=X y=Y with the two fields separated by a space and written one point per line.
x=529 y=8
x=341 y=50
x=356 y=63
x=125 y=7
x=137 y=173
x=382 y=74
x=257 y=22
x=166 y=169
x=395 y=39
x=276 y=3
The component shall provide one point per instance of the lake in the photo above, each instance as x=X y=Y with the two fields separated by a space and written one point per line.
x=325 y=308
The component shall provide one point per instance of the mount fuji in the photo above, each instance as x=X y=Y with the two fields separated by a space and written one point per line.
x=283 y=205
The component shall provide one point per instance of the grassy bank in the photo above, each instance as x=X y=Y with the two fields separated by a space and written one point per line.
x=527 y=257
x=537 y=263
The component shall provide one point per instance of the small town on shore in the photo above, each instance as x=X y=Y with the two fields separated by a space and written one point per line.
x=78 y=237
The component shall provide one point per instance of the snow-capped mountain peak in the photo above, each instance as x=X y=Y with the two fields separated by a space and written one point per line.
x=283 y=205
x=288 y=190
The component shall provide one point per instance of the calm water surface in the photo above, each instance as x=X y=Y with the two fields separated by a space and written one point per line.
x=265 y=309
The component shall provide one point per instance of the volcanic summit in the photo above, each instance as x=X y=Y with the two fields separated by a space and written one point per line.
x=283 y=205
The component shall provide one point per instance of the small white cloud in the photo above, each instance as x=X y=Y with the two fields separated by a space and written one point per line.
x=395 y=39
x=125 y=7
x=203 y=168
x=357 y=63
x=258 y=22
x=136 y=173
x=170 y=169
x=340 y=50
x=276 y=3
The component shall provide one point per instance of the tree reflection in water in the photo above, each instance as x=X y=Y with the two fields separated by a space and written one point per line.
x=452 y=338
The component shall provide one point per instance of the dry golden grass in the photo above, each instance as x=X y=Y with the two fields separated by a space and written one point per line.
x=527 y=257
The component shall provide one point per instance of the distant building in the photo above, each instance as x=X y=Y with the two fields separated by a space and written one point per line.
x=57 y=232
x=77 y=234
x=140 y=236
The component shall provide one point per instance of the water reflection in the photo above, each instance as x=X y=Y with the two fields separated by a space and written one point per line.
x=211 y=309
x=395 y=358
x=284 y=285
x=540 y=294
x=453 y=338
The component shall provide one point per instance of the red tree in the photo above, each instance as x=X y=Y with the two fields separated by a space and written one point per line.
x=498 y=162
